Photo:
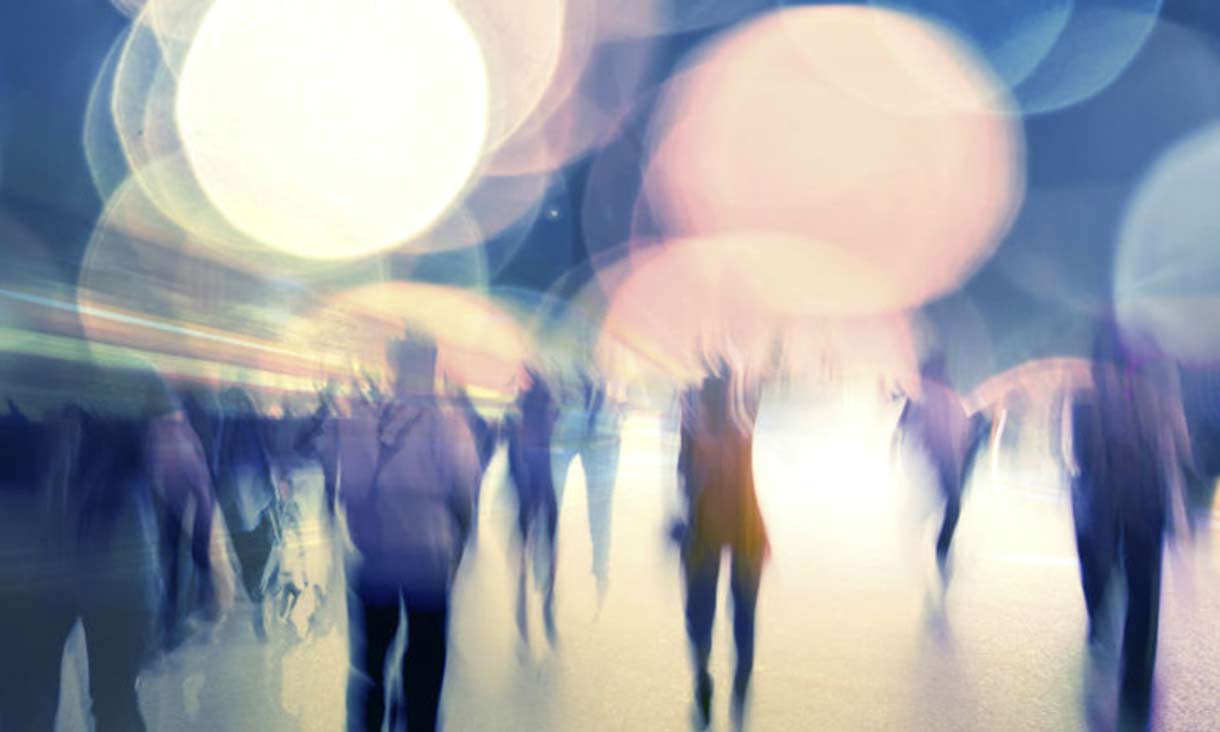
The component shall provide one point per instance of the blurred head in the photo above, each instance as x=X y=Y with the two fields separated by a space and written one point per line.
x=716 y=390
x=413 y=362
x=237 y=402
x=1130 y=352
x=935 y=367
x=1108 y=347
x=715 y=361
x=160 y=398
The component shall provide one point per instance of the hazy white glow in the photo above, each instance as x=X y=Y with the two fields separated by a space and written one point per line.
x=333 y=130
x=827 y=450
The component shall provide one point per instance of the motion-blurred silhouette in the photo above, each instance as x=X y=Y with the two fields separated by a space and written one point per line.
x=1126 y=457
x=715 y=469
x=530 y=432
x=407 y=469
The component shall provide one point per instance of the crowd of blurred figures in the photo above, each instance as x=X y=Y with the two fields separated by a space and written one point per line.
x=149 y=530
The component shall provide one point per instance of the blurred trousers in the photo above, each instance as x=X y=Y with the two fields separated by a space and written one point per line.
x=374 y=609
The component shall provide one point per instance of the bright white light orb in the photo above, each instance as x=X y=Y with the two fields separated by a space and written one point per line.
x=333 y=130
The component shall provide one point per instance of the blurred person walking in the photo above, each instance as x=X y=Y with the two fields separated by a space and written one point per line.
x=183 y=491
x=87 y=489
x=936 y=420
x=1127 y=456
x=715 y=471
x=245 y=491
x=588 y=426
x=530 y=432
x=407 y=469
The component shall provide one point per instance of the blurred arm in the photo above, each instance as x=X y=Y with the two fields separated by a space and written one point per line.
x=181 y=477
x=900 y=428
x=466 y=473
x=1063 y=422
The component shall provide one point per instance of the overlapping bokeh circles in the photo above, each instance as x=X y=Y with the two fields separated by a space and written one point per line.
x=219 y=288
x=100 y=139
x=130 y=132
x=599 y=77
x=1050 y=54
x=612 y=211
x=522 y=43
x=1101 y=39
x=665 y=17
x=764 y=135
x=537 y=58
x=1167 y=265
x=1014 y=37
x=806 y=161
x=1086 y=162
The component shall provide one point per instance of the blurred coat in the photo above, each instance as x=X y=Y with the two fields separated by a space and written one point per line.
x=243 y=476
x=407 y=474
x=716 y=464
x=938 y=421
x=1129 y=437
x=531 y=433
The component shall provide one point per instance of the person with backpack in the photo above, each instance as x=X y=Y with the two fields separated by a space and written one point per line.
x=407 y=468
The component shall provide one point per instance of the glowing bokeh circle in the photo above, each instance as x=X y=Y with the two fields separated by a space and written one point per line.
x=333 y=130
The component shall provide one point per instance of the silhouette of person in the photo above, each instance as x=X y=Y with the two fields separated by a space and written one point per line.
x=91 y=544
x=112 y=527
x=936 y=419
x=588 y=426
x=715 y=470
x=245 y=490
x=1128 y=448
x=35 y=606
x=407 y=470
x=530 y=433
x=183 y=493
